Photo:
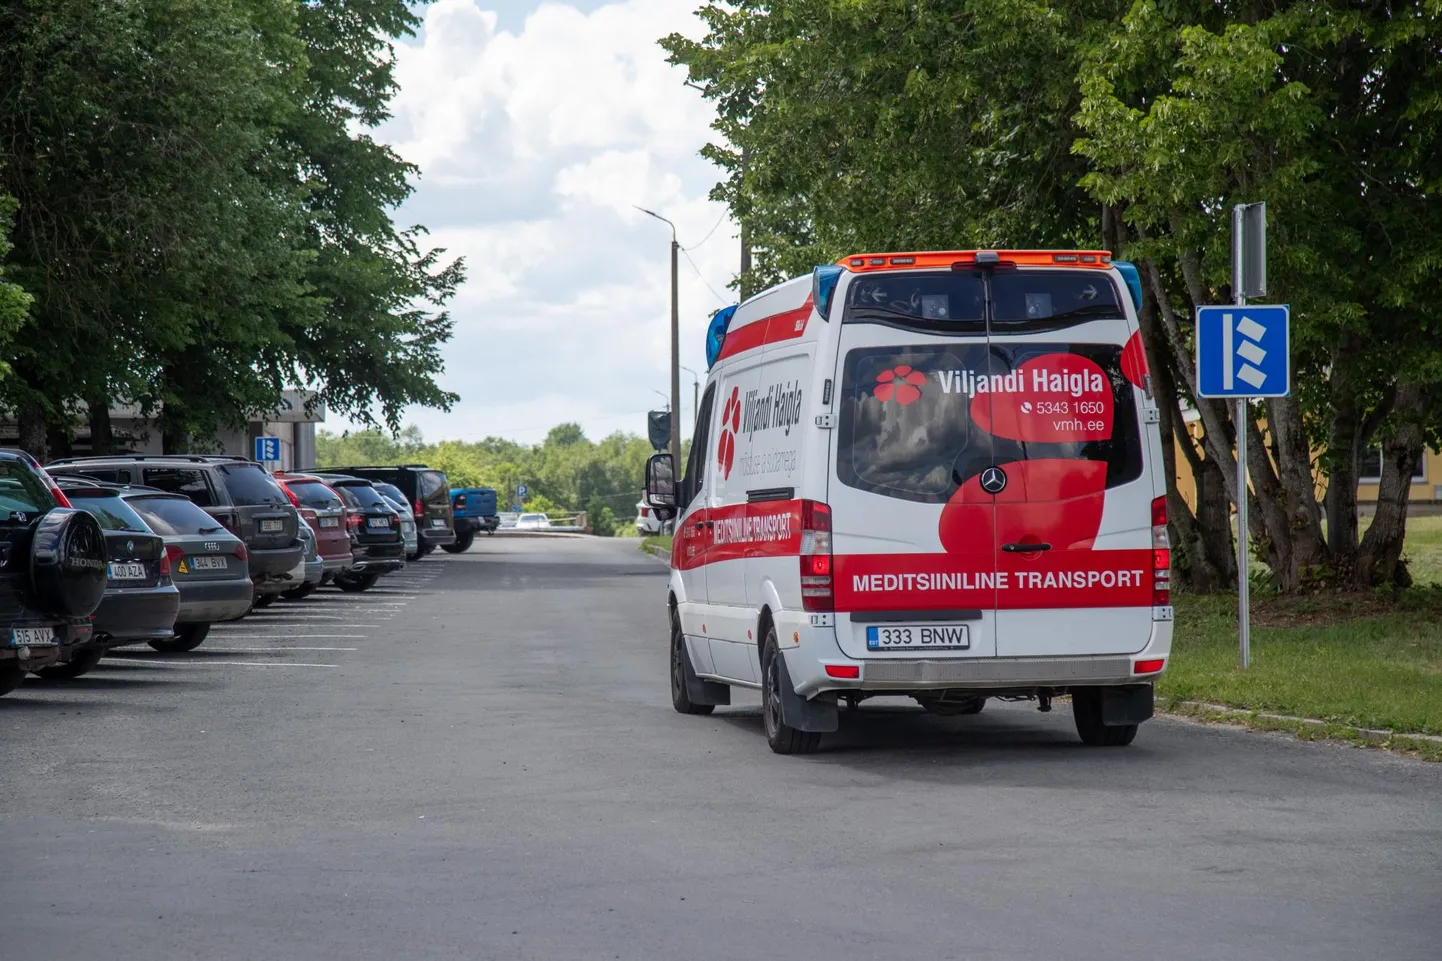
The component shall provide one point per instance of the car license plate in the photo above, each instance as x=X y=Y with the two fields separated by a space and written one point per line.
x=918 y=637
x=127 y=572
x=270 y=527
x=380 y=522
x=330 y=522
x=438 y=522
x=32 y=637
x=209 y=563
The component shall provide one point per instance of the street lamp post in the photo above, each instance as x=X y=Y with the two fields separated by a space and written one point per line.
x=675 y=342
x=695 y=392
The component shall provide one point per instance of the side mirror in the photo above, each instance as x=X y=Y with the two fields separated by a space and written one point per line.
x=661 y=484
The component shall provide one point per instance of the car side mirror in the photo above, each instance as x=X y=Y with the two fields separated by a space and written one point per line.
x=661 y=484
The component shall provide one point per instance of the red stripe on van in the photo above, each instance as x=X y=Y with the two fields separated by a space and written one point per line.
x=773 y=329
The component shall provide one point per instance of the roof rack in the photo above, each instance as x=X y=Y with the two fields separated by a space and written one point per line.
x=189 y=458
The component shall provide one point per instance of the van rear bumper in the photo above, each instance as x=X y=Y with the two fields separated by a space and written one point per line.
x=817 y=648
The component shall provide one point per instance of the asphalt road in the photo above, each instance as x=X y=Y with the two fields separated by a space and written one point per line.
x=479 y=760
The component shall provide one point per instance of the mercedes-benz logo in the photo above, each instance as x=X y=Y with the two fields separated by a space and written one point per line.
x=993 y=480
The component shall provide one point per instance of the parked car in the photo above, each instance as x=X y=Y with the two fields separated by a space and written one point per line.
x=409 y=535
x=427 y=491
x=52 y=571
x=375 y=529
x=140 y=602
x=533 y=522
x=209 y=566
x=236 y=492
x=324 y=511
x=473 y=510
x=647 y=522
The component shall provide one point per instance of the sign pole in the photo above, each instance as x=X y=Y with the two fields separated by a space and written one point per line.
x=1244 y=607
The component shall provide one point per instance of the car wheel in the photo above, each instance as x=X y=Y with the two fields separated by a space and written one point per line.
x=415 y=555
x=782 y=738
x=11 y=675
x=355 y=583
x=187 y=638
x=82 y=663
x=462 y=544
x=680 y=664
x=299 y=593
x=1086 y=710
x=264 y=600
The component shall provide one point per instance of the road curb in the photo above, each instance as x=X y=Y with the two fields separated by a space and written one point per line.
x=1429 y=746
x=660 y=552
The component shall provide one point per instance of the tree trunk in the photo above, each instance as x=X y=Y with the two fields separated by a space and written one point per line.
x=1291 y=510
x=1340 y=501
x=57 y=437
x=33 y=431
x=102 y=435
x=1379 y=558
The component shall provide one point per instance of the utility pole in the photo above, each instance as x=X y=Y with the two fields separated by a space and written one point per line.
x=675 y=341
x=744 y=287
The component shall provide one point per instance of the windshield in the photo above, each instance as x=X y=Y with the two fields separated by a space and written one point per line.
x=390 y=492
x=22 y=493
x=362 y=495
x=956 y=301
x=248 y=484
x=173 y=516
x=314 y=494
x=112 y=512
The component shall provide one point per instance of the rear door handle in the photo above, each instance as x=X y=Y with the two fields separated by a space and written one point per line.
x=1020 y=548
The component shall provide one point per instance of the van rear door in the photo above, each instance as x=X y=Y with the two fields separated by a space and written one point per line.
x=914 y=553
x=1073 y=523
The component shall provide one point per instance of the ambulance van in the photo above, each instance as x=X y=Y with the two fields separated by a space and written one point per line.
x=936 y=475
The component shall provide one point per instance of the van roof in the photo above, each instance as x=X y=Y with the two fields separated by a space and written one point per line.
x=1092 y=259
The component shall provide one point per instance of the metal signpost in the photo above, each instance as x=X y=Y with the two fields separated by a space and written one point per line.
x=267 y=449
x=1244 y=353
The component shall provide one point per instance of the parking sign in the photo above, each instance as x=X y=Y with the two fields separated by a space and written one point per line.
x=1244 y=351
x=267 y=449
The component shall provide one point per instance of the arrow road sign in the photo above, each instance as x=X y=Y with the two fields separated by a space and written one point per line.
x=1244 y=351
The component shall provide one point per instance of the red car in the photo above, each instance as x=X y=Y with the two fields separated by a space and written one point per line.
x=325 y=512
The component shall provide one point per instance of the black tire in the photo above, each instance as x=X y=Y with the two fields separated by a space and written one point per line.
x=415 y=555
x=462 y=544
x=1086 y=710
x=11 y=674
x=356 y=583
x=299 y=593
x=68 y=563
x=971 y=705
x=83 y=662
x=187 y=638
x=427 y=549
x=680 y=661
x=782 y=738
x=263 y=600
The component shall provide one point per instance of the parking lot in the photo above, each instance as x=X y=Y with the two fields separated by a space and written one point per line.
x=477 y=759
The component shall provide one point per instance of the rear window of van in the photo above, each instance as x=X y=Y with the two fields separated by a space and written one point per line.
x=248 y=484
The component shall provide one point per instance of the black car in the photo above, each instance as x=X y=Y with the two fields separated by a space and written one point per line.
x=427 y=490
x=236 y=492
x=375 y=529
x=209 y=566
x=52 y=571
x=140 y=602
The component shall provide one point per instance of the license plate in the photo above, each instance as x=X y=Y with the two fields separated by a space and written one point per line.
x=380 y=522
x=209 y=563
x=438 y=522
x=270 y=527
x=330 y=522
x=918 y=637
x=32 y=637
x=127 y=572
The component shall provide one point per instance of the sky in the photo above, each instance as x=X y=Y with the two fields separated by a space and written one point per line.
x=537 y=126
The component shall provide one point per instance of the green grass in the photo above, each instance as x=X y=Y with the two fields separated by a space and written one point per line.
x=1364 y=661
x=649 y=542
x=1424 y=549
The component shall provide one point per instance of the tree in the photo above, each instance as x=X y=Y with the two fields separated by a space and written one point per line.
x=14 y=301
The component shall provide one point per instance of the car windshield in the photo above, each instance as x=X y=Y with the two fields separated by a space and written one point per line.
x=109 y=509
x=248 y=484
x=363 y=495
x=534 y=519
x=173 y=516
x=390 y=492
x=22 y=494
x=314 y=494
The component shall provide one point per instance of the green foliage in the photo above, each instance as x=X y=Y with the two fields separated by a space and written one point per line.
x=14 y=301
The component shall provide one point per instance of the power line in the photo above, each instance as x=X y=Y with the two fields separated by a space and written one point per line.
x=724 y=300
x=708 y=233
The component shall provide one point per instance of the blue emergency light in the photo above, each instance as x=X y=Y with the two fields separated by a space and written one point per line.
x=716 y=333
x=1133 y=278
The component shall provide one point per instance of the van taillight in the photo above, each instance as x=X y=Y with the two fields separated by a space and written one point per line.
x=1161 y=555
x=816 y=592
x=420 y=509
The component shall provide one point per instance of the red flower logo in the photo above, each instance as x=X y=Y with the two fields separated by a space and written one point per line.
x=730 y=426
x=903 y=383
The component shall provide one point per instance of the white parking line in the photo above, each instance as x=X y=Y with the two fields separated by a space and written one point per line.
x=266 y=650
x=305 y=637
x=232 y=663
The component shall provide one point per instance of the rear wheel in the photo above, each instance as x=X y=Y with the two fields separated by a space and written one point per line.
x=82 y=663
x=264 y=600
x=11 y=674
x=355 y=583
x=187 y=638
x=299 y=593
x=462 y=544
x=680 y=661
x=782 y=738
x=1086 y=710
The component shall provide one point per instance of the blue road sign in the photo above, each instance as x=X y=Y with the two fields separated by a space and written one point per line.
x=521 y=490
x=267 y=449
x=1244 y=351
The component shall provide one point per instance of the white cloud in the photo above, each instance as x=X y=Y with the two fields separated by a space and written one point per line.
x=534 y=145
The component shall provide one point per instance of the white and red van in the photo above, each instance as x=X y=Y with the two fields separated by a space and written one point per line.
x=927 y=474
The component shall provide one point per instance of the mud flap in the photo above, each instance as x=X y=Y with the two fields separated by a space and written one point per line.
x=818 y=714
x=700 y=691
x=1129 y=704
